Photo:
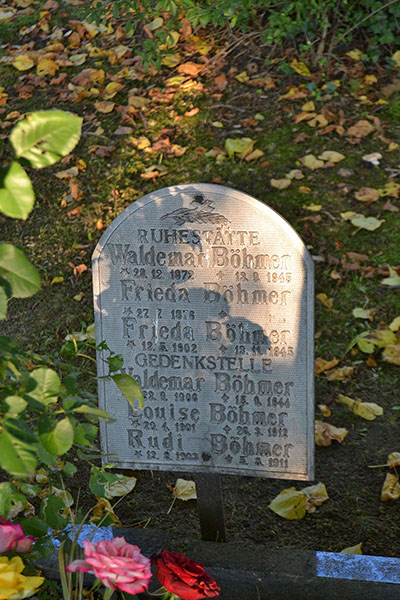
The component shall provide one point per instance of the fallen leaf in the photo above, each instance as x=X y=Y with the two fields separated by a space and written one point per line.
x=367 y=195
x=104 y=106
x=184 y=490
x=303 y=189
x=354 y=54
x=393 y=280
x=112 y=89
x=332 y=156
x=280 y=184
x=311 y=207
x=103 y=507
x=300 y=68
x=79 y=269
x=23 y=62
x=316 y=495
x=393 y=460
x=364 y=313
x=289 y=504
x=308 y=106
x=361 y=129
x=388 y=206
x=58 y=279
x=295 y=174
x=391 y=354
x=341 y=374
x=373 y=158
x=395 y=324
x=325 y=410
x=311 y=162
x=322 y=365
x=352 y=549
x=366 y=410
x=325 y=301
x=396 y=58
x=390 y=488
x=78 y=297
x=221 y=82
x=240 y=146
x=46 y=66
x=368 y=223
x=325 y=433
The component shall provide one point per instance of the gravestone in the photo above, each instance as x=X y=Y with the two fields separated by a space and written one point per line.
x=207 y=294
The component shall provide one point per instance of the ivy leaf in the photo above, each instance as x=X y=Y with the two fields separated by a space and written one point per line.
x=16 y=192
x=45 y=136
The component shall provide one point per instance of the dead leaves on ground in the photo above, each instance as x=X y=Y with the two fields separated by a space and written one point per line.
x=292 y=504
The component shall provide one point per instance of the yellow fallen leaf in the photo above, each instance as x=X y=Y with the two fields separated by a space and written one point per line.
x=382 y=337
x=171 y=60
x=325 y=301
x=390 y=488
x=395 y=324
x=325 y=433
x=316 y=495
x=308 y=106
x=349 y=214
x=342 y=374
x=79 y=297
x=295 y=174
x=311 y=162
x=304 y=189
x=391 y=354
x=46 y=66
x=393 y=280
x=366 y=410
x=322 y=365
x=368 y=223
x=332 y=156
x=184 y=489
x=289 y=504
x=393 y=460
x=254 y=155
x=352 y=549
x=280 y=184
x=312 y=207
x=177 y=80
x=240 y=146
x=392 y=147
x=396 y=58
x=325 y=410
x=364 y=313
x=370 y=79
x=57 y=280
x=112 y=89
x=300 y=68
x=242 y=77
x=104 y=106
x=23 y=62
x=355 y=54
x=319 y=120
x=103 y=507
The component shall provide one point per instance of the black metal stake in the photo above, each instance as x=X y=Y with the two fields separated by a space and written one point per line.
x=210 y=507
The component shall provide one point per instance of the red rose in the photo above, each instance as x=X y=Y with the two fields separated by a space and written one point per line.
x=184 y=577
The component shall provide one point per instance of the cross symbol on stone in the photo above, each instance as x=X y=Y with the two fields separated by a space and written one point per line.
x=222 y=314
x=124 y=271
x=228 y=458
x=227 y=429
x=223 y=348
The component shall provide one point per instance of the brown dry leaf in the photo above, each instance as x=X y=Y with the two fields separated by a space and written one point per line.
x=79 y=269
x=388 y=206
x=303 y=189
x=322 y=365
x=104 y=106
x=366 y=410
x=295 y=174
x=190 y=68
x=304 y=116
x=325 y=433
x=319 y=120
x=390 y=488
x=102 y=507
x=280 y=184
x=99 y=224
x=325 y=410
x=361 y=129
x=342 y=374
x=254 y=155
x=325 y=301
x=367 y=195
x=221 y=82
x=88 y=77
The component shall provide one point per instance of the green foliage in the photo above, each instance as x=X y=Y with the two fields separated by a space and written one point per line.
x=315 y=25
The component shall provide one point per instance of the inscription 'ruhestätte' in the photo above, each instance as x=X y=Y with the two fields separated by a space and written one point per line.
x=208 y=295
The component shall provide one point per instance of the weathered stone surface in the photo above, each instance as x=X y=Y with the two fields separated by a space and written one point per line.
x=208 y=295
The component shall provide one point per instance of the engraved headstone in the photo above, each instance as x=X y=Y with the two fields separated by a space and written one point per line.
x=208 y=295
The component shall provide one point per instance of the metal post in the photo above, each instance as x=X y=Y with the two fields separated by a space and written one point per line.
x=210 y=507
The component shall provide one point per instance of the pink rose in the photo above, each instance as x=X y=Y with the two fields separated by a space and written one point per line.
x=118 y=565
x=12 y=537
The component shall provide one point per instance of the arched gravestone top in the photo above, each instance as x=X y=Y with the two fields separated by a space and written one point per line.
x=208 y=295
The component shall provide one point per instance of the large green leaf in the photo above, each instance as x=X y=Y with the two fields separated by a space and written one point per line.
x=44 y=385
x=85 y=434
x=16 y=406
x=3 y=303
x=129 y=387
x=49 y=511
x=17 y=457
x=56 y=440
x=16 y=192
x=22 y=277
x=45 y=136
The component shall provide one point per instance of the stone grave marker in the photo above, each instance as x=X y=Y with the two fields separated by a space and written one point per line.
x=208 y=294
